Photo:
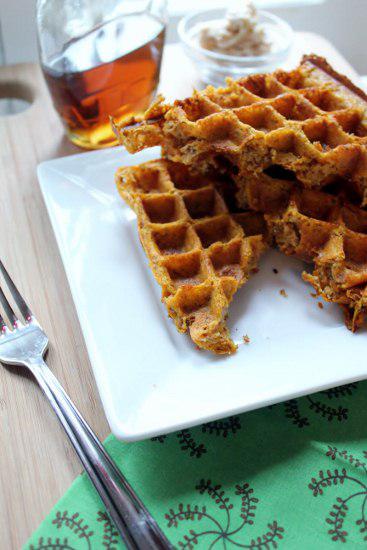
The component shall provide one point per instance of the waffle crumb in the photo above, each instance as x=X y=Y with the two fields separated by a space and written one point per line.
x=246 y=339
x=313 y=294
x=320 y=305
x=283 y=293
x=275 y=270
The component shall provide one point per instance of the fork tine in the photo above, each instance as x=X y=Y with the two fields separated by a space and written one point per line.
x=8 y=309
x=23 y=308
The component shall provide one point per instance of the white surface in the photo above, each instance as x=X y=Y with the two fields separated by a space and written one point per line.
x=182 y=8
x=152 y=379
x=341 y=21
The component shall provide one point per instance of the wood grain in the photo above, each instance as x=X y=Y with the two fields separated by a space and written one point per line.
x=37 y=463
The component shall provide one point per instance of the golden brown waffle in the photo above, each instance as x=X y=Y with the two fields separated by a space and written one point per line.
x=334 y=236
x=295 y=145
x=311 y=121
x=199 y=253
x=322 y=228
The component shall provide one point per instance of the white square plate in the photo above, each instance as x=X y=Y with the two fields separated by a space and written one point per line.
x=152 y=379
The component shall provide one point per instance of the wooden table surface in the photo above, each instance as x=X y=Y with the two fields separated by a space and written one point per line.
x=37 y=464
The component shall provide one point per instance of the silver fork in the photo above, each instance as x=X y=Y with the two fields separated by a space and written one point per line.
x=25 y=344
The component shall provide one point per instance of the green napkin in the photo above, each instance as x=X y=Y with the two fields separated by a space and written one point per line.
x=290 y=476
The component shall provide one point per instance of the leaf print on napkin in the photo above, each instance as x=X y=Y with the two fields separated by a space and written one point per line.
x=219 y=516
x=189 y=443
x=50 y=544
x=75 y=523
x=358 y=490
x=230 y=425
x=298 y=410
x=76 y=534
x=110 y=535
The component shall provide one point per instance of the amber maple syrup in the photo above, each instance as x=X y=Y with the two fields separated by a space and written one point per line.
x=111 y=71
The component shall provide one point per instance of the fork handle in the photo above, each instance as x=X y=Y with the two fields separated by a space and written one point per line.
x=136 y=526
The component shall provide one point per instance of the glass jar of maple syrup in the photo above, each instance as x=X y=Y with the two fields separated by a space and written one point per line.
x=100 y=59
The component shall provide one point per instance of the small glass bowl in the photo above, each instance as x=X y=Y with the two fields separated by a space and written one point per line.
x=214 y=67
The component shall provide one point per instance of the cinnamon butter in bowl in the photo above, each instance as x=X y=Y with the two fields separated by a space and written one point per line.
x=235 y=42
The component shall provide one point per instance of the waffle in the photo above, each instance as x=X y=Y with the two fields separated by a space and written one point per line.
x=311 y=121
x=199 y=253
x=294 y=147
x=323 y=228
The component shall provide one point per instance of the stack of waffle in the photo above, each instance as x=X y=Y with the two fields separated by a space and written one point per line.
x=291 y=147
